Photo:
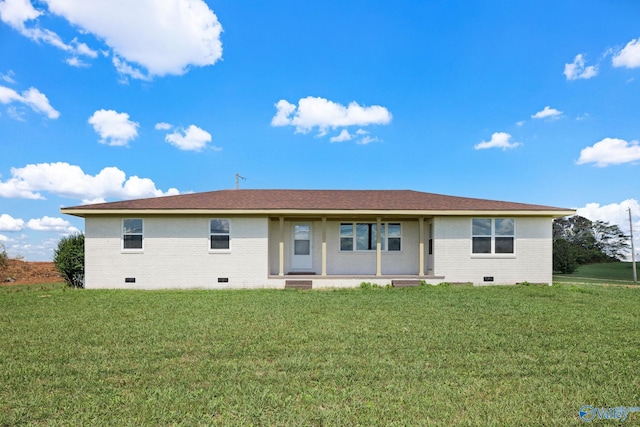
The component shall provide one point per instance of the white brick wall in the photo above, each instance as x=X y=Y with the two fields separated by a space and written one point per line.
x=532 y=261
x=176 y=254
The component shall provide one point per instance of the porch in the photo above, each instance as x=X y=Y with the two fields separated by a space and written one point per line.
x=330 y=249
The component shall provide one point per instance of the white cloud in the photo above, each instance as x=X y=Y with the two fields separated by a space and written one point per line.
x=361 y=137
x=31 y=97
x=16 y=189
x=47 y=223
x=17 y=13
x=70 y=181
x=616 y=214
x=125 y=69
x=498 y=140
x=21 y=246
x=76 y=62
x=344 y=136
x=8 y=95
x=163 y=37
x=314 y=112
x=610 y=151
x=367 y=140
x=159 y=37
x=16 y=114
x=577 y=70
x=629 y=56
x=192 y=139
x=114 y=128
x=283 y=110
x=8 y=77
x=547 y=113
x=162 y=126
x=8 y=223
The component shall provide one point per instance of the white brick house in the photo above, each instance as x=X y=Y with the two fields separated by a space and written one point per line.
x=323 y=238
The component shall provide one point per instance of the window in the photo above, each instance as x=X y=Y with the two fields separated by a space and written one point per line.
x=362 y=236
x=346 y=237
x=493 y=236
x=366 y=236
x=302 y=239
x=219 y=234
x=393 y=236
x=132 y=234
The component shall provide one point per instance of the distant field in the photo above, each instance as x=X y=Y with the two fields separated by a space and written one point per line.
x=605 y=272
x=444 y=355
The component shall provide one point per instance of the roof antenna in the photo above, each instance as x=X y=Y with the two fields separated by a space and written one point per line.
x=238 y=177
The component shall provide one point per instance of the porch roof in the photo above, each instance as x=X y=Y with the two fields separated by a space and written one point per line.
x=315 y=202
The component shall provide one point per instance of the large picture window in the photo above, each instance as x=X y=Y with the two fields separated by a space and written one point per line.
x=493 y=236
x=220 y=236
x=132 y=233
x=362 y=236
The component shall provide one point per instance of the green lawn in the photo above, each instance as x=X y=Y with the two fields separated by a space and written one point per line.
x=445 y=355
x=610 y=272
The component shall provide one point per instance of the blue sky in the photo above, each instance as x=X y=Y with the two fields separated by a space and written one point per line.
x=534 y=102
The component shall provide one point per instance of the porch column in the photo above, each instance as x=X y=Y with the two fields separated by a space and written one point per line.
x=281 y=248
x=421 y=251
x=324 y=246
x=378 y=247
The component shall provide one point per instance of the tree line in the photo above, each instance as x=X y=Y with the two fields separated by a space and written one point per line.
x=578 y=240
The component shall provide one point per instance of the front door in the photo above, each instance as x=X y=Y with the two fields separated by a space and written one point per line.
x=301 y=257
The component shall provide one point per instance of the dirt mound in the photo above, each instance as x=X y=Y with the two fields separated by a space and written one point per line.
x=18 y=272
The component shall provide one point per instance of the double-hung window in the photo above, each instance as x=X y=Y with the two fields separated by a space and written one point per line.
x=493 y=236
x=363 y=236
x=132 y=234
x=219 y=234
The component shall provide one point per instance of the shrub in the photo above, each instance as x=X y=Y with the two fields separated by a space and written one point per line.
x=369 y=285
x=69 y=259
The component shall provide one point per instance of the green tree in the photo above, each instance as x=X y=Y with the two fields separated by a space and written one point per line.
x=581 y=241
x=611 y=240
x=69 y=259
x=564 y=257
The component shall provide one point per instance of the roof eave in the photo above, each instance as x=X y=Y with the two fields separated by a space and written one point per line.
x=83 y=213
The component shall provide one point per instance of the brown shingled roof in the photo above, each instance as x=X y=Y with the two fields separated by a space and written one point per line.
x=321 y=200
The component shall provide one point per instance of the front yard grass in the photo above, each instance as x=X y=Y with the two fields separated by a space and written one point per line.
x=606 y=272
x=444 y=355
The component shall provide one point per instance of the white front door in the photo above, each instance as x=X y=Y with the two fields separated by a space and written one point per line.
x=301 y=256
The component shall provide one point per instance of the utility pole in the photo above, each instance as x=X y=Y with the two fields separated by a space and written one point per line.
x=633 y=251
x=238 y=177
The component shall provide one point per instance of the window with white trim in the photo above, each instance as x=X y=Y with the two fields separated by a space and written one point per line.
x=493 y=235
x=219 y=234
x=362 y=236
x=132 y=233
